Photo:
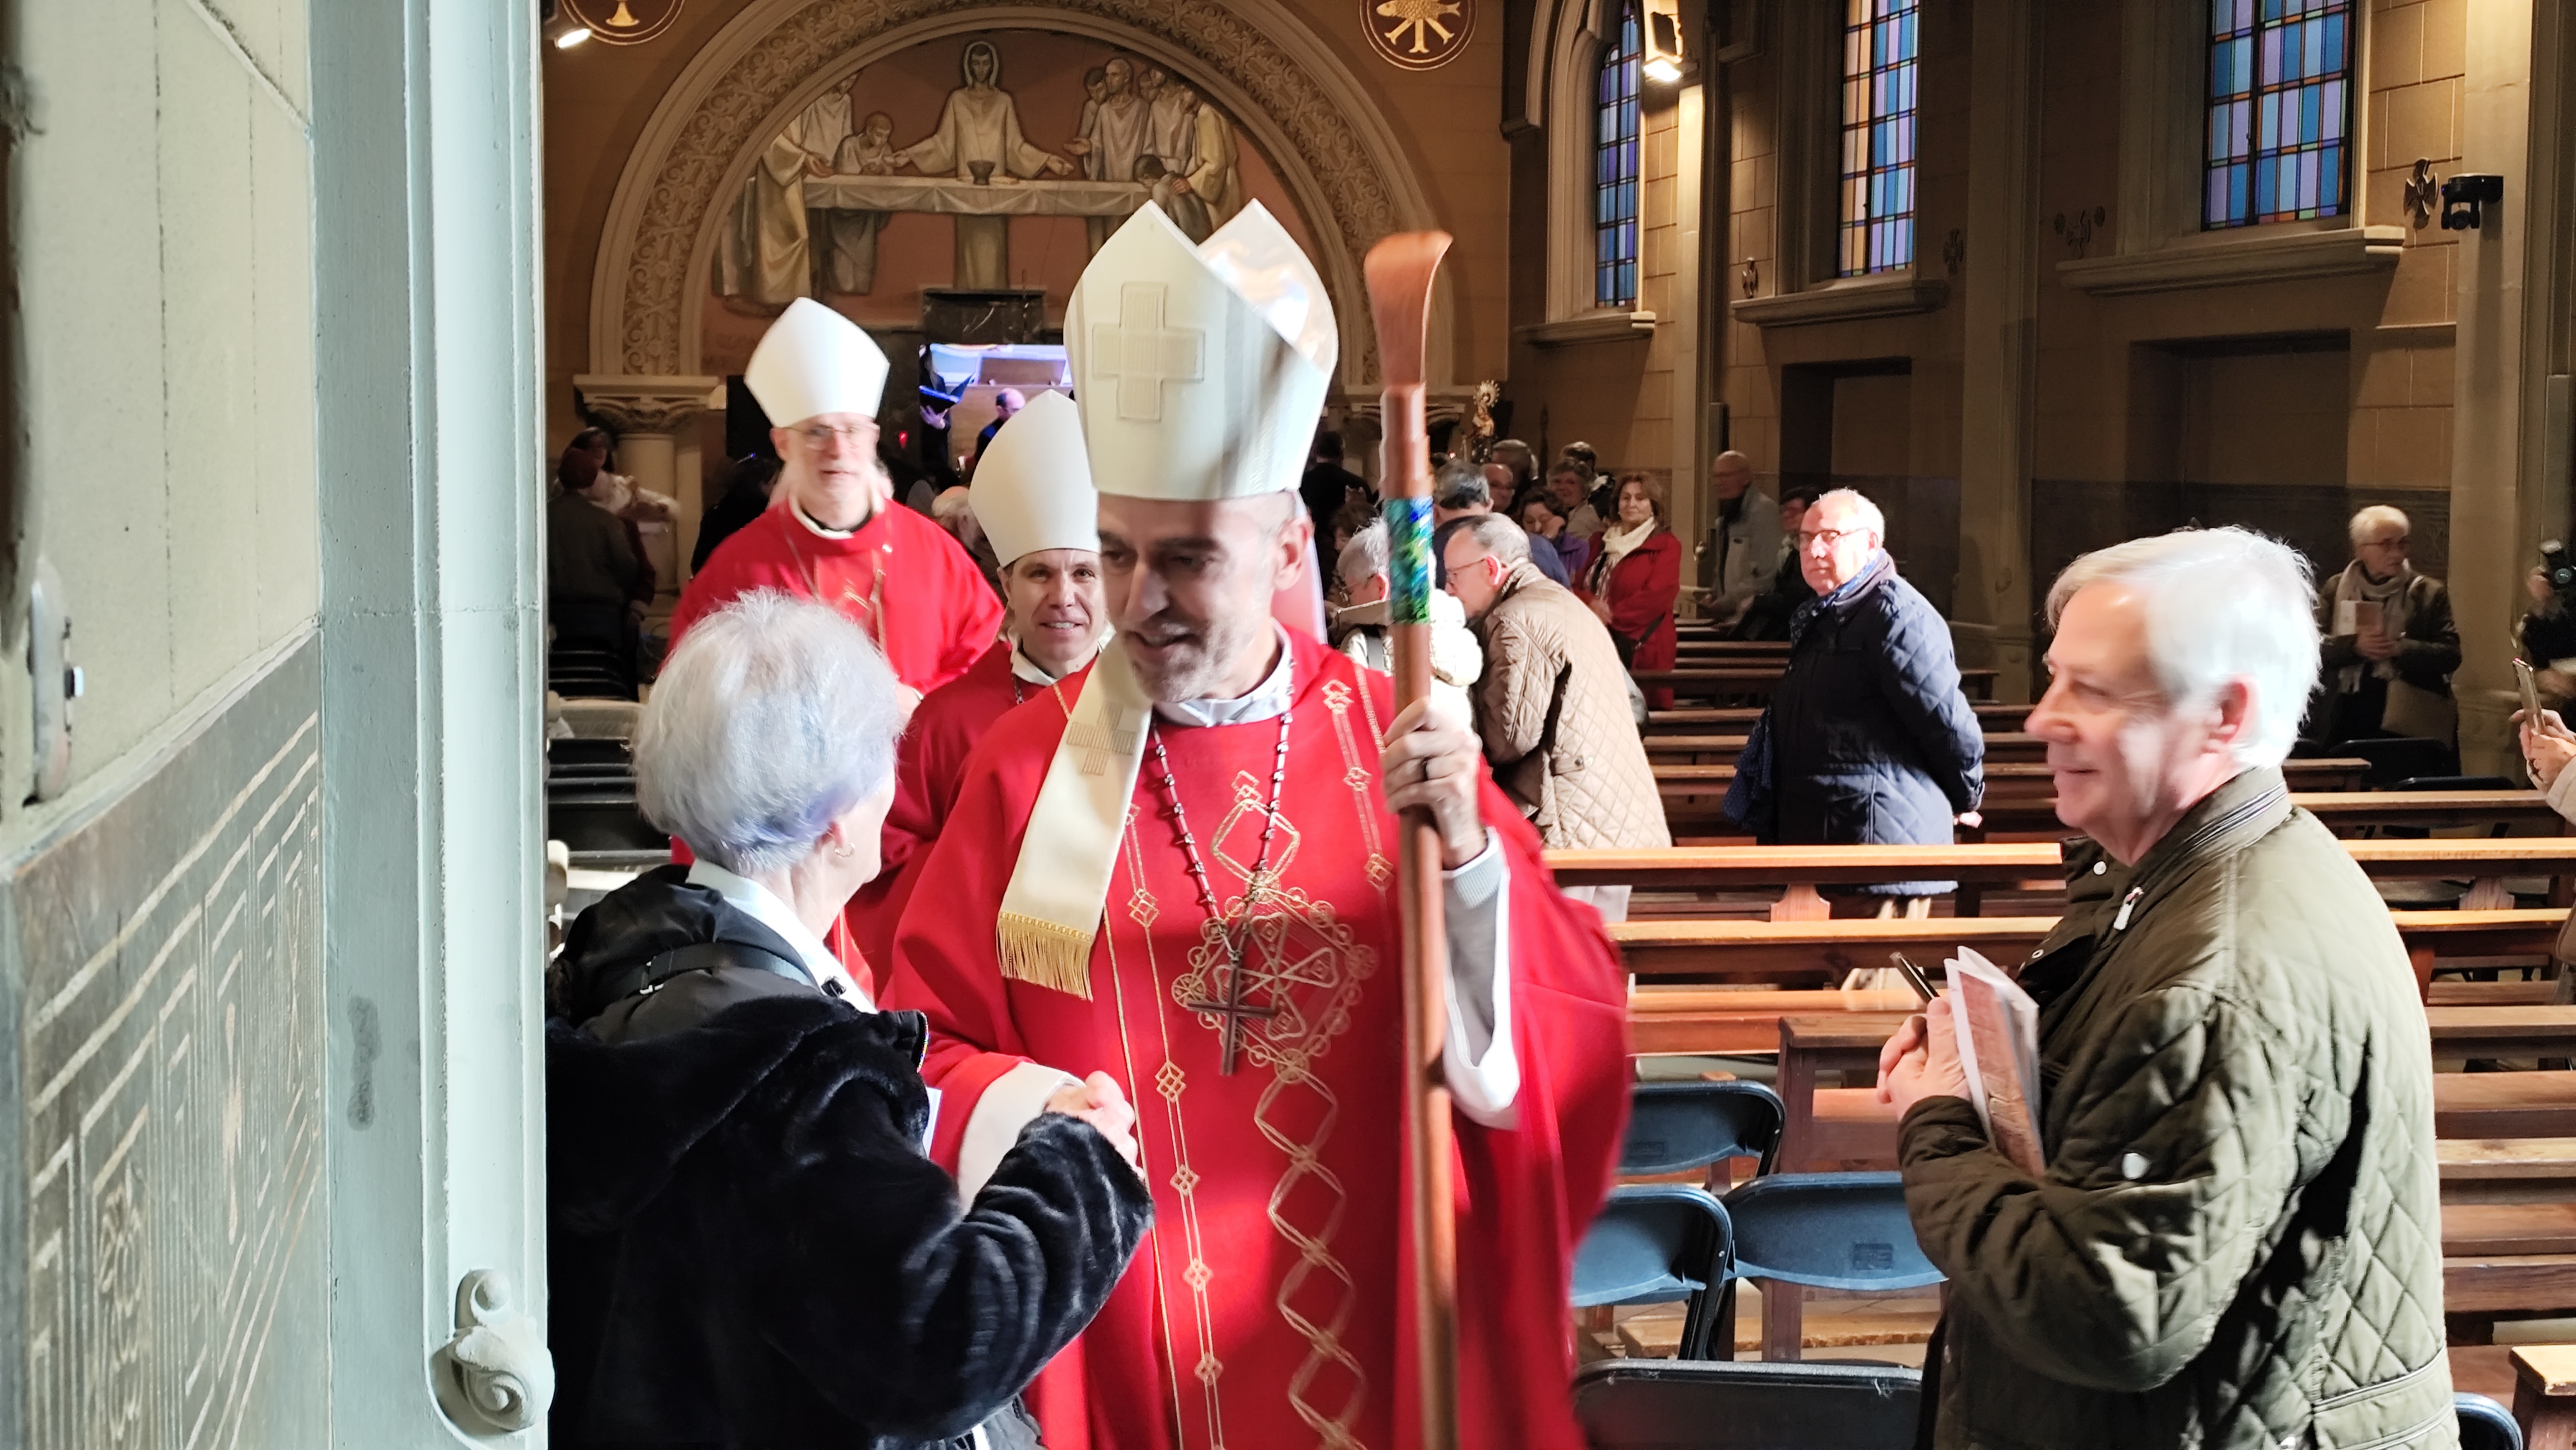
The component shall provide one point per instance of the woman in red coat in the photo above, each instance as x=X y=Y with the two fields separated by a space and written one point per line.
x=1636 y=579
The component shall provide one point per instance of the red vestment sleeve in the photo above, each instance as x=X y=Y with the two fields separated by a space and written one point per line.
x=943 y=965
x=1526 y=1195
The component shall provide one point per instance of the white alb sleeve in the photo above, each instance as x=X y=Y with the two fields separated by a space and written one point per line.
x=1476 y=1057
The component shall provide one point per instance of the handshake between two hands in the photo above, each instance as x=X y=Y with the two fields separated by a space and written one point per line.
x=1099 y=1101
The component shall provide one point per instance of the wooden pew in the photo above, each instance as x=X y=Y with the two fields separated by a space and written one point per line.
x=1797 y=870
x=1699 y=1022
x=1849 y=1126
x=1783 y=952
x=2002 y=747
x=1704 y=719
x=2018 y=780
x=1700 y=683
x=2507 y=1170
x=2544 y=1395
x=1697 y=816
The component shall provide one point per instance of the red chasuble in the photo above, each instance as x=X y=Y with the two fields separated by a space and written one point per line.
x=899 y=575
x=928 y=767
x=1266 y=1309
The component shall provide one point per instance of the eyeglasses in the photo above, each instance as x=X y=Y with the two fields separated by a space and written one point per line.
x=823 y=435
x=1828 y=537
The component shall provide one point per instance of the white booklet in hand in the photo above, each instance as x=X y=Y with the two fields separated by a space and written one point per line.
x=1998 y=1026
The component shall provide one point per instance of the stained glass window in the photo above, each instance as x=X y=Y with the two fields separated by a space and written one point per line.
x=2280 y=110
x=1615 y=164
x=1880 y=38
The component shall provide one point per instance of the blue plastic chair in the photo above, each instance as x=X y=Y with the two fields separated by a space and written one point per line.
x=1674 y=1127
x=1846 y=1231
x=1657 y=1243
x=1659 y=1404
x=2485 y=1425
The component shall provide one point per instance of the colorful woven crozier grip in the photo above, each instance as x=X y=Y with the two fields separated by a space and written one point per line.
x=1408 y=560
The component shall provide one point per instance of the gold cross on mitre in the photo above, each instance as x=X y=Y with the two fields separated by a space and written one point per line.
x=1142 y=355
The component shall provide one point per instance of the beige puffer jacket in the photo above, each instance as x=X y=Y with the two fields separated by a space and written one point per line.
x=1553 y=712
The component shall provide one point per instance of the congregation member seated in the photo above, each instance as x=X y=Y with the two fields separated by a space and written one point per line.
x=1635 y=580
x=746 y=1244
x=1552 y=709
x=2390 y=646
x=2228 y=1230
x=1868 y=738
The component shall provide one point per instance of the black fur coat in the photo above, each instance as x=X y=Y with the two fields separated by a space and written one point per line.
x=749 y=1248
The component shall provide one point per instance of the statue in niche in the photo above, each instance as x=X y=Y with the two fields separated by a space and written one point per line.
x=979 y=140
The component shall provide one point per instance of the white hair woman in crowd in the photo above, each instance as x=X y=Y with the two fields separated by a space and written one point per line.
x=747 y=1243
x=1360 y=628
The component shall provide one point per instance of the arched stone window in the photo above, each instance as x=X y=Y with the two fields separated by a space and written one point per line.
x=1616 y=160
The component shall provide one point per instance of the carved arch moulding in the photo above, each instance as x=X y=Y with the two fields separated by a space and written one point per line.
x=1332 y=149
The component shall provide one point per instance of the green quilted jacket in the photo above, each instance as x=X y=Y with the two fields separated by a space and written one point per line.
x=2238 y=1239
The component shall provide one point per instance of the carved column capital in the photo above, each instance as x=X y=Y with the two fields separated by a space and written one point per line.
x=640 y=403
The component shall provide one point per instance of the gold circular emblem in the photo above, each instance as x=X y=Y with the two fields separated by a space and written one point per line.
x=1418 y=34
x=624 y=22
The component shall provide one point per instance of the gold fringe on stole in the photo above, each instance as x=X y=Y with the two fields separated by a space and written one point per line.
x=1043 y=953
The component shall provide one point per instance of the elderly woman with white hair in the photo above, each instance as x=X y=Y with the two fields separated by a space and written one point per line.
x=2390 y=645
x=2226 y=1230
x=747 y=1244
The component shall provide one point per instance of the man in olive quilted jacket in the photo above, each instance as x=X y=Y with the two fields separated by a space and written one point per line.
x=1552 y=706
x=2236 y=1238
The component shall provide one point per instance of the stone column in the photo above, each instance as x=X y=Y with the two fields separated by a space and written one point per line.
x=655 y=419
x=2488 y=469
x=1992 y=604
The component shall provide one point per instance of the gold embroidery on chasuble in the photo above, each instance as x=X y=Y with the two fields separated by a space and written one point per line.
x=1169 y=1081
x=1306 y=966
x=1358 y=773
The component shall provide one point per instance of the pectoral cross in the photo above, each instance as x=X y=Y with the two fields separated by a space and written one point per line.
x=1233 y=1009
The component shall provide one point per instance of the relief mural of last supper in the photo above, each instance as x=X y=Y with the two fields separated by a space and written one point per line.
x=997 y=160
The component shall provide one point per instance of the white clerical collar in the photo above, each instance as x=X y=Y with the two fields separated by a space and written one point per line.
x=1029 y=672
x=820 y=532
x=1268 y=700
x=763 y=905
x=1025 y=670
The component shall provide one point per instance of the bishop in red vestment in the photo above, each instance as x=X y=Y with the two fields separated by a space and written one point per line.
x=1189 y=887
x=832 y=532
x=1033 y=499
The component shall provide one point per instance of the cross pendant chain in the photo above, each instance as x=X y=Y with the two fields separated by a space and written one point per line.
x=1238 y=938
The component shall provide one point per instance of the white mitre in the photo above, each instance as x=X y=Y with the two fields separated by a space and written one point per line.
x=1032 y=490
x=814 y=361
x=1200 y=370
